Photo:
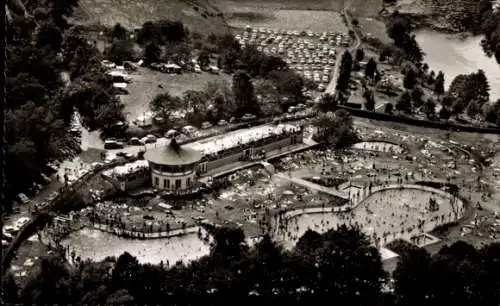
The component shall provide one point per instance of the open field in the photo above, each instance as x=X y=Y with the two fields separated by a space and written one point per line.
x=199 y=17
x=316 y=16
x=316 y=21
x=145 y=86
x=374 y=28
x=267 y=5
x=366 y=8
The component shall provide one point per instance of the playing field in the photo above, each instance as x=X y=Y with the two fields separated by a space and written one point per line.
x=316 y=16
x=314 y=20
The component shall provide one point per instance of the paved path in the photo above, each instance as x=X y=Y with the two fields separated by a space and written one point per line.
x=313 y=186
x=330 y=89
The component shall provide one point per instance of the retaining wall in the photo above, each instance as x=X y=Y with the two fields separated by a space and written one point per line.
x=141 y=235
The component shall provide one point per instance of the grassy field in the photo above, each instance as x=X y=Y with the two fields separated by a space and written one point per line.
x=145 y=86
x=316 y=16
x=364 y=8
x=235 y=5
x=200 y=17
x=316 y=21
x=374 y=28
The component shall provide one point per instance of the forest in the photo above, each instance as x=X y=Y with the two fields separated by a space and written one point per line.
x=340 y=266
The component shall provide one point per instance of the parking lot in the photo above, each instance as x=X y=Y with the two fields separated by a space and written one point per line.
x=311 y=54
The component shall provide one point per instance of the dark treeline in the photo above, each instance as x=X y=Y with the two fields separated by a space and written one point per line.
x=339 y=266
x=489 y=25
x=51 y=71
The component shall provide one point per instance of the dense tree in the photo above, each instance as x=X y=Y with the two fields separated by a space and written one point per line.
x=327 y=103
x=49 y=35
x=360 y=55
x=204 y=58
x=152 y=53
x=10 y=290
x=399 y=29
x=404 y=103
x=492 y=113
x=344 y=72
x=388 y=108
x=429 y=108
x=369 y=100
x=473 y=109
x=161 y=32
x=439 y=83
x=444 y=113
x=195 y=103
x=339 y=265
x=416 y=96
x=467 y=88
x=244 y=95
x=288 y=84
x=119 y=32
x=410 y=79
x=164 y=105
x=220 y=96
x=120 y=51
x=335 y=128
x=371 y=68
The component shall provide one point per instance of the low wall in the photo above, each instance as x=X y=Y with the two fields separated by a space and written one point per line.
x=419 y=122
x=141 y=235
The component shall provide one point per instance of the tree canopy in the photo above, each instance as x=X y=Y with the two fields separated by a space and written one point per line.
x=340 y=265
x=51 y=71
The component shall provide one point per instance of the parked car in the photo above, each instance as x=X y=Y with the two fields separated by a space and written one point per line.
x=248 y=117
x=206 y=125
x=135 y=141
x=113 y=144
x=23 y=198
x=22 y=222
x=222 y=122
x=149 y=139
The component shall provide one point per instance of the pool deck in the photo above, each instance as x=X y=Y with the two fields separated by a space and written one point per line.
x=241 y=165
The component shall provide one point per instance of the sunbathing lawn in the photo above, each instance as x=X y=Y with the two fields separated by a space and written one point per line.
x=145 y=86
x=316 y=21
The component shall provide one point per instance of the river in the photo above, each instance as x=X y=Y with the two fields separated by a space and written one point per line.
x=455 y=56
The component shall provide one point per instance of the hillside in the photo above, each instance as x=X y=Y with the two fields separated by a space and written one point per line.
x=198 y=16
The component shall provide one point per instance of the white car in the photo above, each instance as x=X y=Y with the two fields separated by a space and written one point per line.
x=222 y=122
x=248 y=117
x=22 y=221
x=23 y=198
x=206 y=125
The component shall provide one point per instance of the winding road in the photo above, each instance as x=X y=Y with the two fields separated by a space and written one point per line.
x=333 y=83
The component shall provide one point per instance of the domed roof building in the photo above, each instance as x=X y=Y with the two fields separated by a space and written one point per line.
x=173 y=168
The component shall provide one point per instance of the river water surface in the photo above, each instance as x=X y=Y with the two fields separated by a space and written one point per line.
x=455 y=56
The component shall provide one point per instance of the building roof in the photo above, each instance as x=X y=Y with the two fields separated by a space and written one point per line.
x=173 y=154
x=128 y=168
x=237 y=138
